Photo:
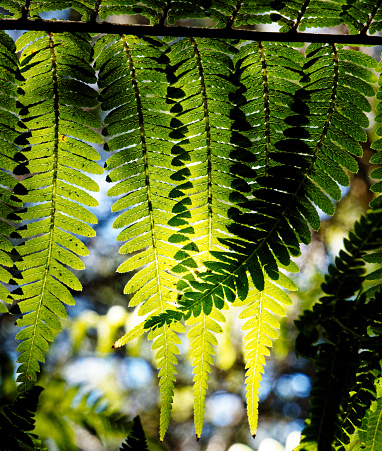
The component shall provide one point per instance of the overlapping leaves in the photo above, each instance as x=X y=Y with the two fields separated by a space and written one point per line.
x=222 y=152
x=348 y=357
x=360 y=17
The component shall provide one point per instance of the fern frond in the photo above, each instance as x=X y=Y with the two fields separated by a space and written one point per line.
x=374 y=428
x=202 y=340
x=8 y=151
x=348 y=360
x=203 y=155
x=377 y=146
x=134 y=88
x=363 y=16
x=261 y=309
x=17 y=423
x=250 y=232
x=52 y=162
x=136 y=438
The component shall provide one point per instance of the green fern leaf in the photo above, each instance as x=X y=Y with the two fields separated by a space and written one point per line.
x=362 y=17
x=261 y=328
x=17 y=421
x=374 y=428
x=52 y=164
x=202 y=339
x=8 y=132
x=136 y=438
x=137 y=125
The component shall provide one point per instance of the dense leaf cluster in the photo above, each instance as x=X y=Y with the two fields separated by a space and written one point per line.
x=222 y=153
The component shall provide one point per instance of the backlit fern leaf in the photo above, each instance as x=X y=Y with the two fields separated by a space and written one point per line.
x=202 y=339
x=134 y=88
x=55 y=160
x=296 y=15
x=8 y=125
x=337 y=82
x=205 y=150
x=89 y=9
x=260 y=311
x=269 y=220
x=253 y=226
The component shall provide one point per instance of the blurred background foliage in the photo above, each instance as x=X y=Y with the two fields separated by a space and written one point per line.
x=92 y=392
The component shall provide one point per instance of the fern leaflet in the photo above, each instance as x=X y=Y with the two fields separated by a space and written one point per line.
x=131 y=72
x=54 y=160
x=8 y=133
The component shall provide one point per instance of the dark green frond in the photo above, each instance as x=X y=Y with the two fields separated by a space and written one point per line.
x=377 y=146
x=54 y=165
x=348 y=359
x=17 y=421
x=136 y=438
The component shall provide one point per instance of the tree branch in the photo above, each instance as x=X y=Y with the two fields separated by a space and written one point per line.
x=161 y=30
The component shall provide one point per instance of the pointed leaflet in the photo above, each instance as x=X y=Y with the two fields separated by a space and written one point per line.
x=374 y=428
x=261 y=309
x=134 y=87
x=8 y=121
x=202 y=340
x=56 y=69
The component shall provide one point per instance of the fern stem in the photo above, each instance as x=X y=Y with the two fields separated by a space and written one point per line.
x=371 y=18
x=231 y=21
x=208 y=141
x=157 y=30
x=26 y=10
x=165 y=14
x=266 y=106
x=300 y=16
x=95 y=11
x=345 y=328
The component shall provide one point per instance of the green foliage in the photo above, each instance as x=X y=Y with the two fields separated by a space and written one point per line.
x=347 y=359
x=222 y=154
x=17 y=422
x=53 y=162
x=136 y=438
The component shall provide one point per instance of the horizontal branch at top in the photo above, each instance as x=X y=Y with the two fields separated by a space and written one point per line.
x=161 y=30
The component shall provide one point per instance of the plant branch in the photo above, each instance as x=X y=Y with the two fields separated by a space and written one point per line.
x=162 y=30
